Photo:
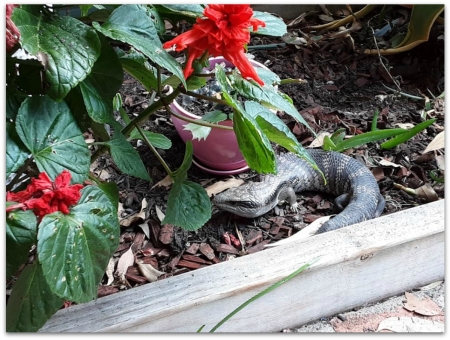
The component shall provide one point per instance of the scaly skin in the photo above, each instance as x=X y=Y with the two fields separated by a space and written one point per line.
x=346 y=177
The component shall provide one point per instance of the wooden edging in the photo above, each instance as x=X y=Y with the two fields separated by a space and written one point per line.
x=359 y=264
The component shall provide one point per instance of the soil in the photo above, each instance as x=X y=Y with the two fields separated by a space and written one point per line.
x=343 y=89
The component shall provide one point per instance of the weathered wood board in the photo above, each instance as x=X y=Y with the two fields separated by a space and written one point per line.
x=358 y=264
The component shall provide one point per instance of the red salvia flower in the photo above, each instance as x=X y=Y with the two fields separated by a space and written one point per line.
x=12 y=32
x=45 y=197
x=223 y=32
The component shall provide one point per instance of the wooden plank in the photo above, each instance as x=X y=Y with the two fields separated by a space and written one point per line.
x=359 y=264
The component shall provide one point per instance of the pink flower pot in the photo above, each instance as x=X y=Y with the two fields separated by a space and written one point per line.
x=219 y=153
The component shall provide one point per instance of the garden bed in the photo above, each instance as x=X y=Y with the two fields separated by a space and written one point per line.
x=359 y=264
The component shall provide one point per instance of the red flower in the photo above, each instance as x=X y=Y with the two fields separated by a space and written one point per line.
x=12 y=32
x=45 y=197
x=223 y=32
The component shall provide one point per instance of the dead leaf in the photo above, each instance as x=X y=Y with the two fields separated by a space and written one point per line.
x=427 y=192
x=148 y=271
x=431 y=285
x=436 y=144
x=220 y=186
x=385 y=162
x=133 y=218
x=165 y=182
x=306 y=232
x=110 y=271
x=440 y=161
x=125 y=261
x=145 y=229
x=425 y=307
x=405 y=125
x=159 y=213
x=406 y=324
x=318 y=142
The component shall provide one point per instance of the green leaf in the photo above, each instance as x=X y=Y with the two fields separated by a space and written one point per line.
x=126 y=157
x=192 y=10
x=20 y=236
x=132 y=24
x=181 y=173
x=136 y=64
x=74 y=249
x=31 y=302
x=328 y=144
x=198 y=131
x=16 y=152
x=367 y=137
x=13 y=102
x=48 y=130
x=253 y=143
x=111 y=190
x=215 y=116
x=188 y=205
x=68 y=47
x=338 y=136
x=274 y=26
x=102 y=84
x=276 y=130
x=85 y=9
x=267 y=76
x=158 y=140
x=407 y=135
x=266 y=96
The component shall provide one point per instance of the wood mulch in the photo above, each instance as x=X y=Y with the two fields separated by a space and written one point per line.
x=343 y=90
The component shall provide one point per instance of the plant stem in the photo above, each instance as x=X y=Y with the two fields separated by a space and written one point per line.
x=208 y=98
x=155 y=152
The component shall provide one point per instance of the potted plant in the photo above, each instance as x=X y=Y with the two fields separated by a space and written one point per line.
x=218 y=152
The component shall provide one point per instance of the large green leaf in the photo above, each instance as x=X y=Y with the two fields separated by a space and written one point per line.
x=268 y=97
x=20 y=236
x=50 y=133
x=125 y=156
x=102 y=84
x=158 y=140
x=253 y=143
x=132 y=24
x=13 y=102
x=31 y=302
x=188 y=205
x=74 y=249
x=16 y=152
x=276 y=130
x=67 y=47
x=192 y=10
x=274 y=26
x=136 y=64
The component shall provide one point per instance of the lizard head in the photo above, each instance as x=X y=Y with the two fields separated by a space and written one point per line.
x=244 y=201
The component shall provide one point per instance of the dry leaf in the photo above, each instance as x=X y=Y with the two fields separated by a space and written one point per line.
x=436 y=144
x=145 y=229
x=147 y=270
x=159 y=213
x=125 y=261
x=318 y=142
x=406 y=324
x=427 y=192
x=440 y=161
x=110 y=271
x=165 y=182
x=220 y=186
x=405 y=125
x=133 y=218
x=431 y=285
x=425 y=306
x=385 y=162
x=306 y=232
